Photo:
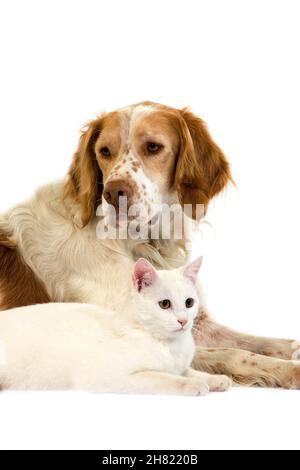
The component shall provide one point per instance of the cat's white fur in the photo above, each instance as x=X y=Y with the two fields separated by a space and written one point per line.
x=80 y=346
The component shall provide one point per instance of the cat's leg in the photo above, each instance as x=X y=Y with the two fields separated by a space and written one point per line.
x=208 y=333
x=248 y=368
x=161 y=383
x=216 y=383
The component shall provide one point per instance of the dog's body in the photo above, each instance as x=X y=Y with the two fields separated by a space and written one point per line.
x=49 y=250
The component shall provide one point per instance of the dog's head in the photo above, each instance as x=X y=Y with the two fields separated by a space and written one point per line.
x=150 y=153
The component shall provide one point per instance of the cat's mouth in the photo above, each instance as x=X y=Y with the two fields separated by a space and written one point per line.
x=182 y=329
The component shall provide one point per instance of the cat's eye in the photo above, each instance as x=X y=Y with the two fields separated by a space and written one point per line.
x=189 y=302
x=165 y=304
x=105 y=152
x=152 y=147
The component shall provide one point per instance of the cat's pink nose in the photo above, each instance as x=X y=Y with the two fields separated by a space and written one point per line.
x=182 y=322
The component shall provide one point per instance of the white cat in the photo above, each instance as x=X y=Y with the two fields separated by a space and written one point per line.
x=148 y=349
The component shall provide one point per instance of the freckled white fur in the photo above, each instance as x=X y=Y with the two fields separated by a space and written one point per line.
x=78 y=346
x=148 y=192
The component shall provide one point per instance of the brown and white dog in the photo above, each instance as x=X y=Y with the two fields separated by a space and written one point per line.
x=152 y=154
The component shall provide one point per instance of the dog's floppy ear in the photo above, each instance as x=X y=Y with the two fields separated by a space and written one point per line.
x=85 y=177
x=202 y=170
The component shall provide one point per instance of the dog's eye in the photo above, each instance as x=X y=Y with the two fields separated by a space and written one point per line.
x=165 y=304
x=153 y=148
x=105 y=152
x=189 y=303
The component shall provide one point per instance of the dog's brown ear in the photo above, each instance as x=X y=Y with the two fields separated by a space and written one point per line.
x=85 y=177
x=202 y=170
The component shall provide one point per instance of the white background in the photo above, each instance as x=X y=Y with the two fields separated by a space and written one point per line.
x=236 y=63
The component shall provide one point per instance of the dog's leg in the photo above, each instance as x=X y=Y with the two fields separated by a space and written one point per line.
x=208 y=333
x=248 y=368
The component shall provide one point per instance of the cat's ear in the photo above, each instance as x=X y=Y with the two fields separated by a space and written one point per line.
x=144 y=274
x=191 y=270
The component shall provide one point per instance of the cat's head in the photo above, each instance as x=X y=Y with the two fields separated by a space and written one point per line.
x=166 y=302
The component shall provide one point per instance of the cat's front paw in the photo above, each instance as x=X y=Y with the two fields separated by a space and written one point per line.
x=219 y=383
x=196 y=388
